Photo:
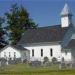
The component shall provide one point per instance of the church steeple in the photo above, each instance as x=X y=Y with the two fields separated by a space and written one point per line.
x=66 y=16
x=66 y=11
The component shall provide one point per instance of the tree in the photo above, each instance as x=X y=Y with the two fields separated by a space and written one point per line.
x=18 y=21
x=2 y=33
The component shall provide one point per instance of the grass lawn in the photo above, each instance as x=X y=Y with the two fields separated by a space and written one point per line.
x=22 y=69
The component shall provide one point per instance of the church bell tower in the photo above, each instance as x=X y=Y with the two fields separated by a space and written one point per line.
x=66 y=16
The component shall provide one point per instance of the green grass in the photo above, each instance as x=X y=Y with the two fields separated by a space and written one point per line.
x=22 y=69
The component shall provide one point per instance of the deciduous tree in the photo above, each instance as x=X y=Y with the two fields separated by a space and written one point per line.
x=2 y=33
x=18 y=22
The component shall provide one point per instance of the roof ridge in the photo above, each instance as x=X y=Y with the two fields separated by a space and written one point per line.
x=49 y=26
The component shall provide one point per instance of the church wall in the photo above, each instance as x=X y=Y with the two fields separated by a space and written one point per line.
x=12 y=53
x=66 y=56
x=9 y=53
x=56 y=52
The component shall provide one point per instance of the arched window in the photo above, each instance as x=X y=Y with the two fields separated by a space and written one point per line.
x=32 y=52
x=51 y=52
x=4 y=54
x=9 y=54
x=14 y=54
x=41 y=52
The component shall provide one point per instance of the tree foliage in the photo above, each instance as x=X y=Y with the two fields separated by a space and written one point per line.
x=18 y=22
x=2 y=33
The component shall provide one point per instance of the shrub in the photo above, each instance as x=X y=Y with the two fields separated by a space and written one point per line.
x=3 y=61
x=25 y=61
x=36 y=63
x=46 y=59
x=62 y=59
x=54 y=60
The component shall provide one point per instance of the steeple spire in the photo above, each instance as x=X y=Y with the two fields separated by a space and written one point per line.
x=66 y=10
x=66 y=16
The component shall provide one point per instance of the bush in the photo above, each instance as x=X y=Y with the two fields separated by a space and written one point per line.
x=25 y=61
x=3 y=61
x=46 y=59
x=63 y=59
x=54 y=60
x=15 y=61
x=35 y=63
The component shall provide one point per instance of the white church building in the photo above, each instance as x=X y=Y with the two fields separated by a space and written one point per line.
x=50 y=41
x=47 y=41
